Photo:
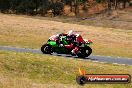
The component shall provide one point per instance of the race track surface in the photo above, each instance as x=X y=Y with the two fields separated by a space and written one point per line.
x=95 y=58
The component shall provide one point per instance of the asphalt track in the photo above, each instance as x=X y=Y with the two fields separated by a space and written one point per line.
x=94 y=58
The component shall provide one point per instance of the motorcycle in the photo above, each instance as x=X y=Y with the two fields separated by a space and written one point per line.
x=53 y=46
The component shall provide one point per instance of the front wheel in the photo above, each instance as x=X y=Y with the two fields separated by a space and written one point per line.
x=88 y=51
x=46 y=49
x=84 y=52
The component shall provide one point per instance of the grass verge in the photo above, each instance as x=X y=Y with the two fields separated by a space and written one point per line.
x=26 y=70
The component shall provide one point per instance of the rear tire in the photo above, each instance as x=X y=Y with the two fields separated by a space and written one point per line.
x=46 y=49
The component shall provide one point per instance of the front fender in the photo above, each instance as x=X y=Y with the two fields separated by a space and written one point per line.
x=88 y=44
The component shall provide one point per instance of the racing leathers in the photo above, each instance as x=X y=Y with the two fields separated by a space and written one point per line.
x=74 y=40
x=78 y=42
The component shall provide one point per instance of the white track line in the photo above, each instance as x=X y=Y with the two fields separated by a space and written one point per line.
x=108 y=62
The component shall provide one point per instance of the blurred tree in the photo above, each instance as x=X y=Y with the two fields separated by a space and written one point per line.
x=44 y=6
x=32 y=7
x=4 y=5
x=26 y=7
x=57 y=7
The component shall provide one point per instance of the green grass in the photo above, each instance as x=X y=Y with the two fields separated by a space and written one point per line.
x=18 y=70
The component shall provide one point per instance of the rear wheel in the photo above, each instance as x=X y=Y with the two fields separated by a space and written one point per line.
x=46 y=49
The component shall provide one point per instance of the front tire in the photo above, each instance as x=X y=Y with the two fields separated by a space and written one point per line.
x=46 y=49
x=88 y=51
x=84 y=52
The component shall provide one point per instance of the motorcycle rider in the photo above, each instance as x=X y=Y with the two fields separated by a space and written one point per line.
x=75 y=39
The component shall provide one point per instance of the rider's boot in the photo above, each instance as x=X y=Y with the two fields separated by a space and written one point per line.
x=74 y=51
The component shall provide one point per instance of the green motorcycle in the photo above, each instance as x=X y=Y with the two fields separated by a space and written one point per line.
x=52 y=46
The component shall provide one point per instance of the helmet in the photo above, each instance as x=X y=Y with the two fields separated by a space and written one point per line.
x=57 y=36
x=70 y=33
